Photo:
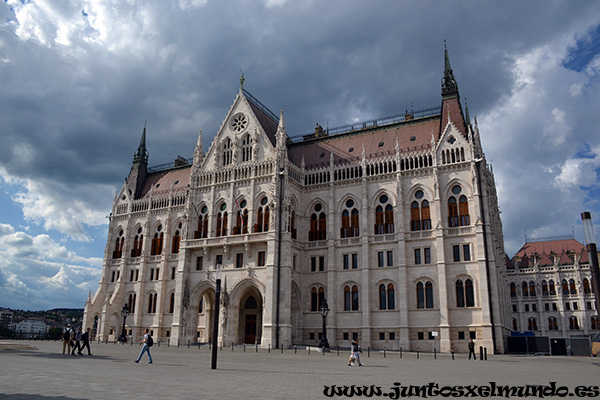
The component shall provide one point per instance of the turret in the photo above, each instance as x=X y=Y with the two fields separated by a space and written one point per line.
x=139 y=168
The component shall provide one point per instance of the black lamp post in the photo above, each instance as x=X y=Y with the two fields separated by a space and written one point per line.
x=216 y=317
x=324 y=310
x=590 y=239
x=124 y=314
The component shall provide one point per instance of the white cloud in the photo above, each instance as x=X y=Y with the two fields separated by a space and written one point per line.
x=191 y=4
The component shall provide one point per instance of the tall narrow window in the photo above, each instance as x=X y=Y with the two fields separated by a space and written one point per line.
x=572 y=288
x=292 y=224
x=469 y=293
x=429 y=295
x=417 y=256
x=532 y=324
x=544 y=288
x=157 y=242
x=420 y=295
x=227 y=152
x=458 y=211
x=354 y=298
x=318 y=224
x=354 y=261
x=391 y=295
x=350 y=221
x=202 y=229
x=172 y=304
x=241 y=218
x=137 y=244
x=452 y=212
x=119 y=241
x=239 y=260
x=463 y=210
x=513 y=290
x=314 y=304
x=176 y=239
x=460 y=294
x=382 y=297
x=532 y=289
x=261 y=259
x=525 y=289
x=222 y=221
x=131 y=302
x=565 y=287
x=246 y=148
x=347 y=298
x=262 y=217
x=586 y=286
x=573 y=323
x=552 y=288
x=384 y=216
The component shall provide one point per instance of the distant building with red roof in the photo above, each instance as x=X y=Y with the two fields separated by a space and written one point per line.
x=550 y=286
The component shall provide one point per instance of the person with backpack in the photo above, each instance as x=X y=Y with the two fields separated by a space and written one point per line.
x=147 y=343
x=77 y=345
x=66 y=339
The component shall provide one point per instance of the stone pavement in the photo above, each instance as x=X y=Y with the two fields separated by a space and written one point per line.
x=37 y=370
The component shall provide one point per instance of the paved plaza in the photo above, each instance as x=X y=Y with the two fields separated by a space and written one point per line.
x=38 y=370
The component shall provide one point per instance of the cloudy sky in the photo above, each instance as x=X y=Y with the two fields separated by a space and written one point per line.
x=78 y=78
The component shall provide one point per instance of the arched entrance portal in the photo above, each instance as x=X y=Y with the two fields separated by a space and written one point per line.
x=250 y=321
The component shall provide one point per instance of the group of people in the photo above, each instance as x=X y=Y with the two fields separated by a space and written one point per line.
x=75 y=340
x=355 y=351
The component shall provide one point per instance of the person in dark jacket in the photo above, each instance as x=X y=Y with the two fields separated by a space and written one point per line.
x=472 y=350
x=86 y=342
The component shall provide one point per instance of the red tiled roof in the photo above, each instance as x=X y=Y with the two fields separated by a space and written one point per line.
x=378 y=142
x=161 y=181
x=456 y=115
x=550 y=246
x=545 y=261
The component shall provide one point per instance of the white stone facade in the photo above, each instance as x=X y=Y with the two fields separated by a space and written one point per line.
x=329 y=217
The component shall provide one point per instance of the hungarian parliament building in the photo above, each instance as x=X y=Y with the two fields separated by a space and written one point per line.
x=392 y=225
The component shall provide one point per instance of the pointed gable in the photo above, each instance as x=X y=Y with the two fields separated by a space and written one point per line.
x=545 y=261
x=565 y=259
x=525 y=262
x=267 y=119
x=585 y=257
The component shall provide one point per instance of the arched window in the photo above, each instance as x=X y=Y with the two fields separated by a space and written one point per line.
x=222 y=221
x=157 y=242
x=458 y=212
x=176 y=239
x=573 y=323
x=513 y=290
x=354 y=298
x=469 y=293
x=565 y=287
x=202 y=231
x=347 y=298
x=384 y=216
x=595 y=322
x=586 y=286
x=317 y=296
x=552 y=324
x=227 y=152
x=318 y=224
x=420 y=216
x=201 y=305
x=241 y=218
x=552 y=287
x=292 y=223
x=246 y=148
x=460 y=294
x=172 y=304
x=350 y=222
x=532 y=324
x=572 y=287
x=131 y=302
x=119 y=241
x=515 y=327
x=382 y=297
x=391 y=293
x=152 y=303
x=532 y=289
x=136 y=251
x=544 y=288
x=525 y=289
x=428 y=295
x=262 y=216
x=420 y=295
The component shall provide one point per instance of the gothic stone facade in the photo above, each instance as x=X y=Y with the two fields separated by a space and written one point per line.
x=394 y=223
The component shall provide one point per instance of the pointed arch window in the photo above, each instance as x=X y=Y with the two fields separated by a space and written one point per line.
x=136 y=251
x=532 y=289
x=469 y=293
x=573 y=323
x=458 y=210
x=241 y=218
x=172 y=303
x=586 y=286
x=552 y=324
x=514 y=324
x=292 y=223
x=420 y=215
x=565 y=287
x=572 y=287
x=594 y=321
x=544 y=288
x=513 y=290
x=202 y=229
x=317 y=296
x=222 y=221
x=384 y=216
x=262 y=216
x=532 y=324
x=157 y=242
x=227 y=151
x=176 y=239
x=119 y=241
x=152 y=302
x=552 y=288
x=246 y=148
x=525 y=289
x=131 y=302
x=318 y=224
x=350 y=221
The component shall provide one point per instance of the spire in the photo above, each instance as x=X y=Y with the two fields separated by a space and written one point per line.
x=467 y=117
x=281 y=132
x=198 y=152
x=141 y=155
x=449 y=86
x=242 y=80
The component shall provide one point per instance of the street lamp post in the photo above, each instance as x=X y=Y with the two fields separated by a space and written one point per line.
x=216 y=317
x=324 y=310
x=124 y=314
x=590 y=239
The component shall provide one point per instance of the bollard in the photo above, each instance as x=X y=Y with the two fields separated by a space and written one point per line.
x=178 y=342
x=369 y=352
x=231 y=346
x=338 y=351
x=485 y=353
x=452 y=351
x=269 y=347
x=282 y=349
x=323 y=349
x=168 y=343
x=417 y=353
x=188 y=343
x=309 y=350
x=480 y=353
x=209 y=345
x=256 y=347
x=244 y=347
x=384 y=352
x=434 y=353
x=295 y=349
x=221 y=346
x=400 y=352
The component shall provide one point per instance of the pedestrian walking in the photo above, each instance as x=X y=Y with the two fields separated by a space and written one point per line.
x=355 y=351
x=77 y=340
x=147 y=343
x=472 y=350
x=66 y=340
x=85 y=338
